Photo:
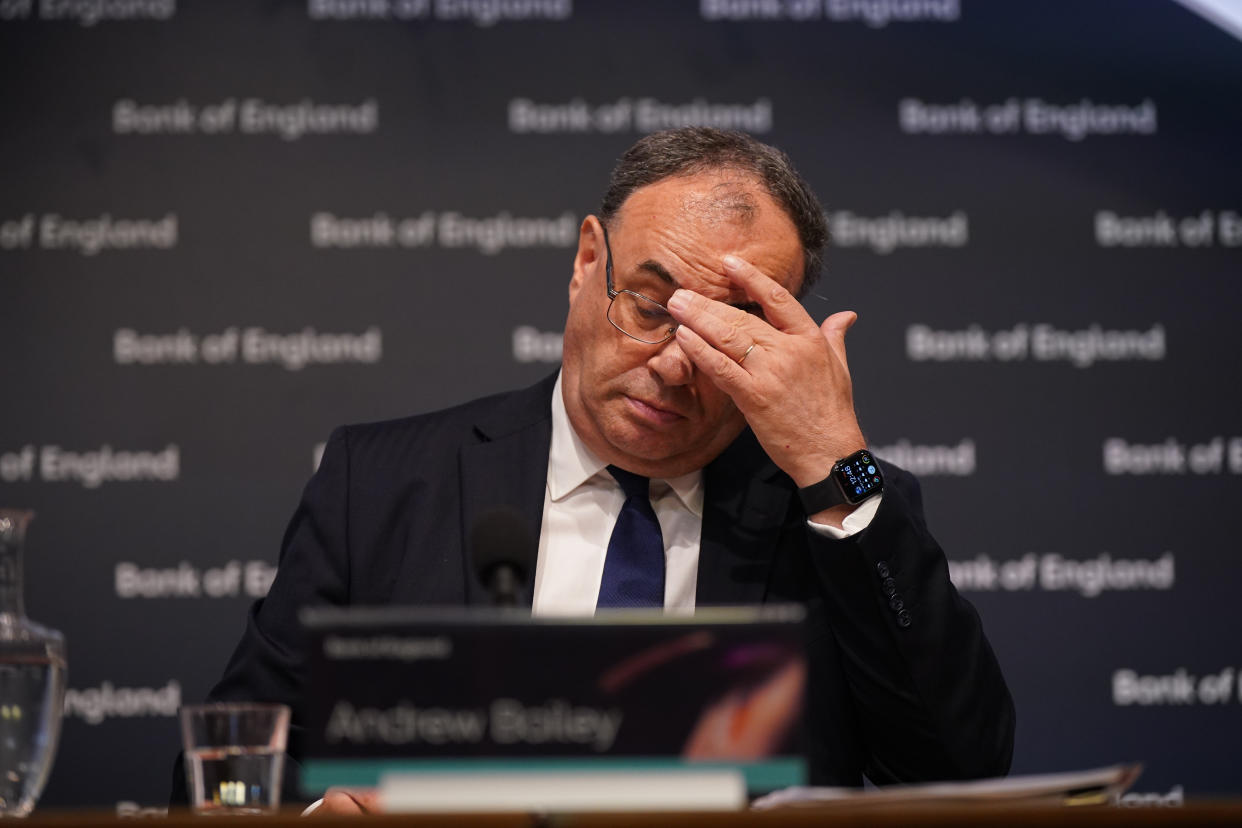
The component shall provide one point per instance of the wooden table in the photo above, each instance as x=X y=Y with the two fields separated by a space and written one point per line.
x=1194 y=813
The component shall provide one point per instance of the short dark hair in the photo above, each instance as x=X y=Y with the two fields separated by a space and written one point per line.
x=693 y=150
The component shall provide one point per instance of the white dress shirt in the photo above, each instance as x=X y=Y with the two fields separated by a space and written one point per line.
x=581 y=502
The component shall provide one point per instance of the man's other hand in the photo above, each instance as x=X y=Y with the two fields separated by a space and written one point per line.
x=345 y=801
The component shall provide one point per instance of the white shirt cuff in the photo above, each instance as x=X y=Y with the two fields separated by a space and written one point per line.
x=854 y=522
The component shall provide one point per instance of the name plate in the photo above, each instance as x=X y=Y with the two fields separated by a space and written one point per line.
x=456 y=691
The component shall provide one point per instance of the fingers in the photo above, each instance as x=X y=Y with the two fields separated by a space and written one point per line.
x=721 y=369
x=342 y=801
x=729 y=329
x=732 y=330
x=780 y=307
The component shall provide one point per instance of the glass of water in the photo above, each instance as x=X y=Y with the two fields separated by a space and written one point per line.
x=234 y=756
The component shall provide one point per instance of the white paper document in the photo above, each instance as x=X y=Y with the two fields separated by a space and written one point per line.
x=1097 y=786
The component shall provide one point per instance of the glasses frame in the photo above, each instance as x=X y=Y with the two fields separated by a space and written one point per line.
x=613 y=293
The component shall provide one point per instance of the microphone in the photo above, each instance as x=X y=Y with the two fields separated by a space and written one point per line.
x=503 y=551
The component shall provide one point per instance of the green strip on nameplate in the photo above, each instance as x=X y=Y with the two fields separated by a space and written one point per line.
x=320 y=774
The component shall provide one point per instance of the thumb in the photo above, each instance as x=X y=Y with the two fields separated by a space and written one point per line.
x=835 y=326
x=834 y=329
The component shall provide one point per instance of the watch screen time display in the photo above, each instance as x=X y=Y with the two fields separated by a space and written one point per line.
x=859 y=476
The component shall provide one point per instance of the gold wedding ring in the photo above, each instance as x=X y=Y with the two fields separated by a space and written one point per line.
x=742 y=358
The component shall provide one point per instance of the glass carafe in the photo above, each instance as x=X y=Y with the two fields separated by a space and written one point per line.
x=32 y=681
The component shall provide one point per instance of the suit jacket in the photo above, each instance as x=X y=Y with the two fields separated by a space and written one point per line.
x=904 y=685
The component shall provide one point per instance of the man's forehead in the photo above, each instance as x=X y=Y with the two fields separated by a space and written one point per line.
x=678 y=229
x=722 y=199
x=712 y=196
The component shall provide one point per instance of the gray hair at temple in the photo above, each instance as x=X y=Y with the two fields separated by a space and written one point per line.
x=694 y=150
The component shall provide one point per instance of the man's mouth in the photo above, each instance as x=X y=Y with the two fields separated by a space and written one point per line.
x=654 y=413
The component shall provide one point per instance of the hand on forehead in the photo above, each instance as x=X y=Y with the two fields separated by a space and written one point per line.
x=678 y=231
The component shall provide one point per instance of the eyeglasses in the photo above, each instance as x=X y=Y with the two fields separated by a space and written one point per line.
x=637 y=316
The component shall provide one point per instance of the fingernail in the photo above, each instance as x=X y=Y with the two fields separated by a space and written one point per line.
x=732 y=262
x=677 y=301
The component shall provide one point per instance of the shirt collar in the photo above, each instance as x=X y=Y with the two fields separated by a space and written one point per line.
x=571 y=464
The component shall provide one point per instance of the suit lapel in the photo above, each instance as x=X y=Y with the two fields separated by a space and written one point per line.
x=744 y=508
x=745 y=504
x=507 y=467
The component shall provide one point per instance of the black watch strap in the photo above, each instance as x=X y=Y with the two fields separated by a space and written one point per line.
x=822 y=495
x=852 y=480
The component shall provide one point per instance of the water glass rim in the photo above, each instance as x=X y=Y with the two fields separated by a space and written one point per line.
x=222 y=724
x=233 y=707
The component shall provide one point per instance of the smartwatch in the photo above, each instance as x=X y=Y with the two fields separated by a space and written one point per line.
x=853 y=479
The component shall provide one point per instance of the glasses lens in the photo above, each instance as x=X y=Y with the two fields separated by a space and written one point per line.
x=641 y=318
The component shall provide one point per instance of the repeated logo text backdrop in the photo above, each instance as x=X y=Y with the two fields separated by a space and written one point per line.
x=226 y=227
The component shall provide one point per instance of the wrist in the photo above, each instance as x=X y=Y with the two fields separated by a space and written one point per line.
x=812 y=468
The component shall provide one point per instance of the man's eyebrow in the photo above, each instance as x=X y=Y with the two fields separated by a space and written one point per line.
x=654 y=267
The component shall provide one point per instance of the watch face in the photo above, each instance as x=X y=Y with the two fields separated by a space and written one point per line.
x=859 y=476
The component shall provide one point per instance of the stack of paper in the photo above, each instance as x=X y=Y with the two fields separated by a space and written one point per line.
x=1091 y=787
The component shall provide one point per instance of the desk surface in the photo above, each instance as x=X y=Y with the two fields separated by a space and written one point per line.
x=1216 y=812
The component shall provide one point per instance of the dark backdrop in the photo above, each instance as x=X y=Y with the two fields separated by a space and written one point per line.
x=226 y=227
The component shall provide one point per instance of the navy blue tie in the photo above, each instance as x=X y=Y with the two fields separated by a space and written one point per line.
x=634 y=568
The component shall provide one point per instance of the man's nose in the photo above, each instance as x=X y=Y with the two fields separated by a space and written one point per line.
x=671 y=363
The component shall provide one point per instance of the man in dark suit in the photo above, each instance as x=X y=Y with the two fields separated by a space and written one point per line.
x=689 y=361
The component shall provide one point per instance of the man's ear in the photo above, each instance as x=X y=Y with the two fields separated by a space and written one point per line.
x=590 y=252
